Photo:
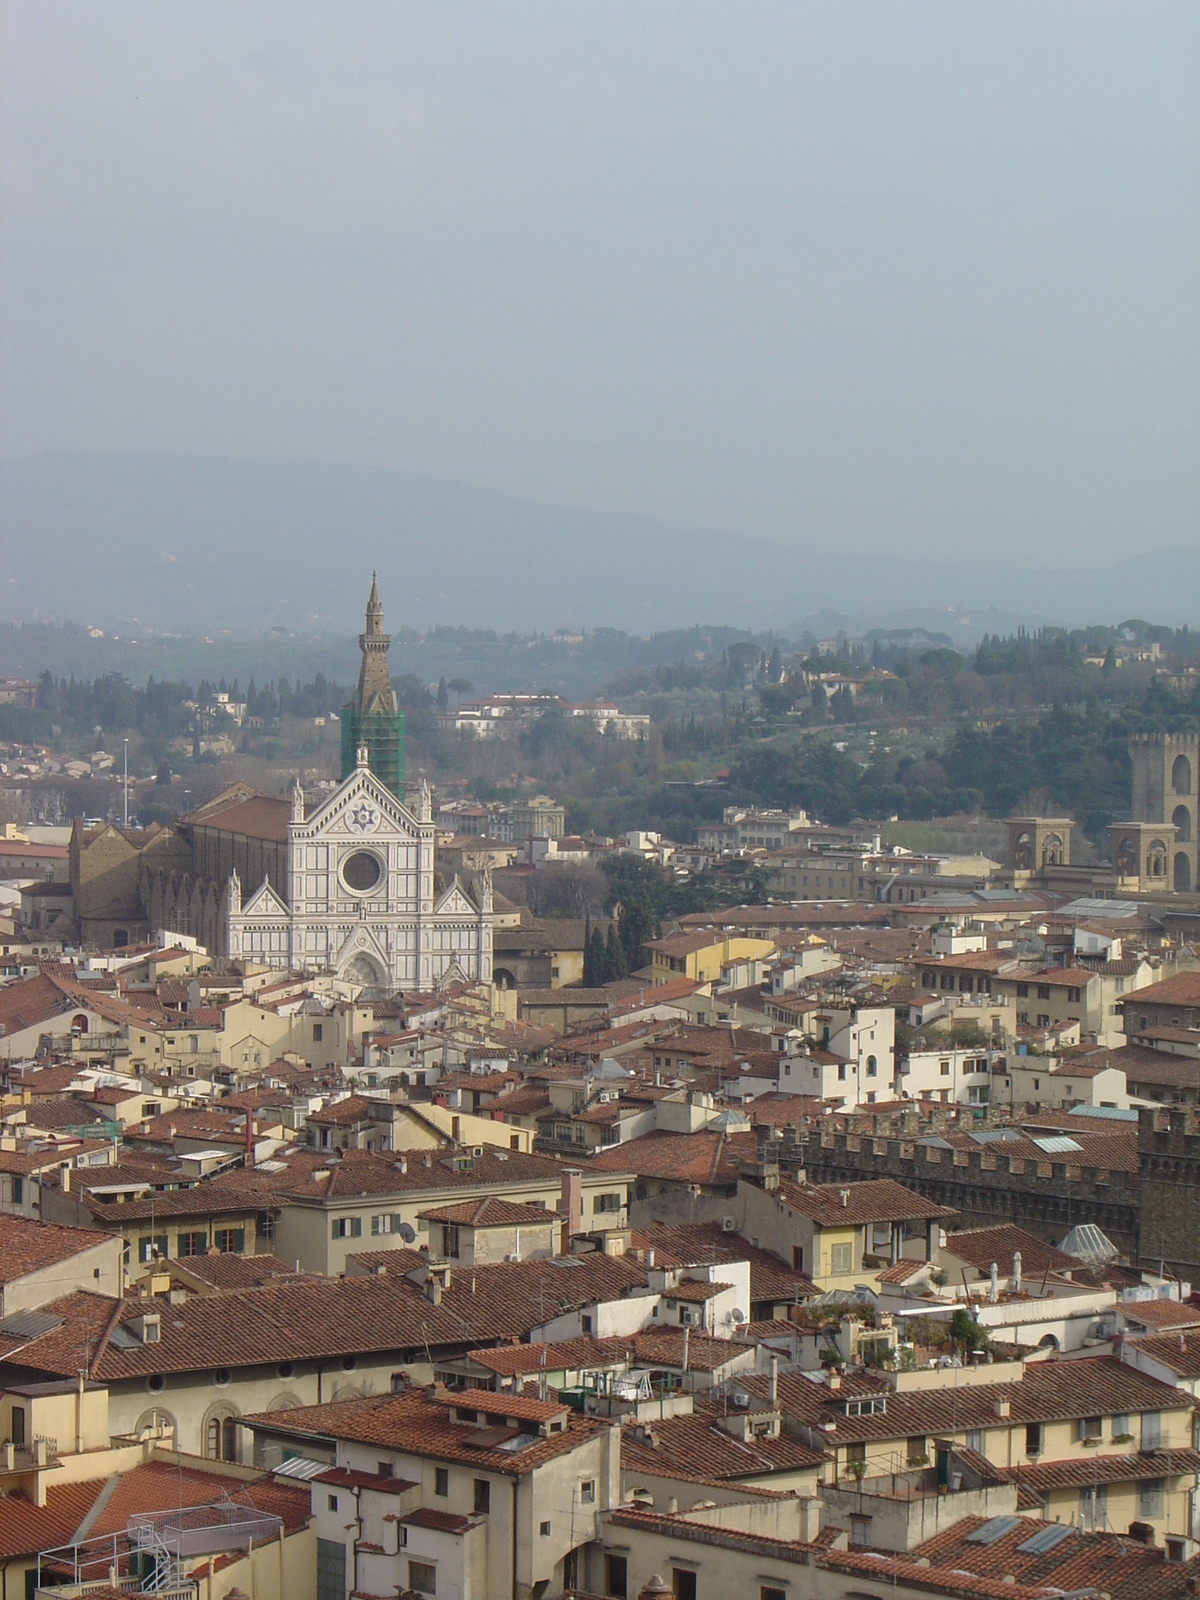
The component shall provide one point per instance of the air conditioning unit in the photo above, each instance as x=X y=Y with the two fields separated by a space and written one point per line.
x=728 y=1224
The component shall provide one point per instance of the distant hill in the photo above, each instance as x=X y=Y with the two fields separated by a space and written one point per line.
x=193 y=543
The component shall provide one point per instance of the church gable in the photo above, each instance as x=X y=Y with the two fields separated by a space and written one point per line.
x=360 y=808
x=264 y=902
x=455 y=903
x=362 y=948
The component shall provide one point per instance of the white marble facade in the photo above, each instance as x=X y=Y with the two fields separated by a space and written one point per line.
x=361 y=898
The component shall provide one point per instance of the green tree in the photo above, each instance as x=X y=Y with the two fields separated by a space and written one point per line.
x=966 y=1332
x=635 y=924
x=443 y=695
x=596 y=964
x=614 y=956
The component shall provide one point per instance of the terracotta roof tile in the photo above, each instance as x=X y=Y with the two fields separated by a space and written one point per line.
x=422 y=1424
x=491 y=1213
x=1159 y=1315
x=981 y=1246
x=1178 y=1352
x=1054 y=1390
x=705 y=1244
x=697 y=1446
x=25 y=1528
x=1087 y=1563
x=851 y=1204
x=27 y=1246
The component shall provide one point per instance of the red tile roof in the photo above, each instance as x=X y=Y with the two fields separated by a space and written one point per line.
x=1181 y=990
x=27 y=1246
x=491 y=1213
x=981 y=1246
x=163 y=1486
x=707 y=1244
x=698 y=1447
x=1159 y=1315
x=421 y=1424
x=256 y=817
x=1178 y=1352
x=306 y=1317
x=1081 y=1563
x=25 y=1528
x=342 y=1113
x=833 y=1205
x=705 y=1158
x=516 y=1360
x=438 y=1521
x=1131 y=1467
x=1054 y=1390
x=346 y=1478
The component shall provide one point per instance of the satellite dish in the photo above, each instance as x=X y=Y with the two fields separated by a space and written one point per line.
x=407 y=1232
x=736 y=1316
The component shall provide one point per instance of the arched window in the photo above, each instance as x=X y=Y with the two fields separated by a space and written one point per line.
x=157 y=1424
x=220 y=1433
x=1181 y=775
x=1052 y=851
x=79 y=1023
x=1127 y=861
x=1156 y=859
x=1182 y=819
x=1183 y=874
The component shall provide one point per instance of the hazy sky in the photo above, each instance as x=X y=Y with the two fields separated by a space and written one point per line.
x=839 y=275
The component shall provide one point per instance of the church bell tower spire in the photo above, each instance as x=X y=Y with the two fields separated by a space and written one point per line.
x=373 y=718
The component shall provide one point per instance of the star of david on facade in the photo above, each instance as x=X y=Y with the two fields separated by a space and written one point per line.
x=363 y=817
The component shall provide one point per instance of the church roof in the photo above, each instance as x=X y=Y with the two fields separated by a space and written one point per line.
x=256 y=817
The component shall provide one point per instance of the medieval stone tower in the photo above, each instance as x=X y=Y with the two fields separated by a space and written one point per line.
x=1166 y=784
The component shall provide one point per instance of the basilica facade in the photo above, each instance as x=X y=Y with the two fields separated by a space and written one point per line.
x=360 y=897
x=348 y=886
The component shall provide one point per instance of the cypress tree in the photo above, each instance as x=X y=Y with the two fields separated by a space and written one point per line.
x=614 y=956
x=598 y=959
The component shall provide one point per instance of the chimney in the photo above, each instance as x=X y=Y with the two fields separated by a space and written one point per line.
x=687 y=1332
x=656 y=1589
x=572 y=1201
x=1016 y=1272
x=773 y=1390
x=810 y=1518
